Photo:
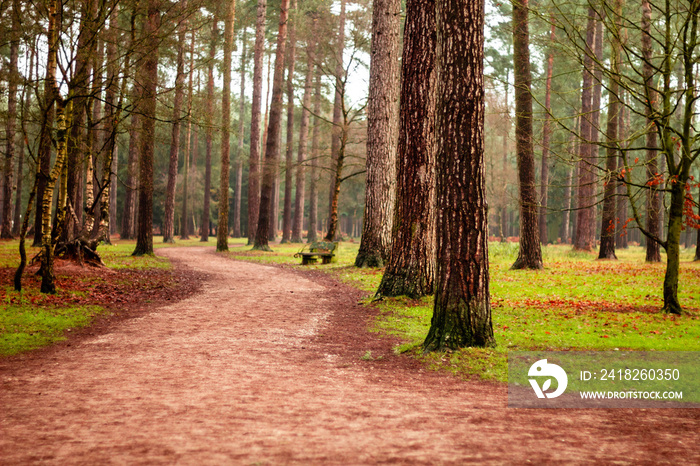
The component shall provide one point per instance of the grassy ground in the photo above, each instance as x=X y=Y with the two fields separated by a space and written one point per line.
x=576 y=302
x=30 y=319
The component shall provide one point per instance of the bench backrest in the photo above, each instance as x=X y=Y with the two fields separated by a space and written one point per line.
x=323 y=246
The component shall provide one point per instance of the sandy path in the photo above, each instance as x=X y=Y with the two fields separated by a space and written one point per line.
x=263 y=367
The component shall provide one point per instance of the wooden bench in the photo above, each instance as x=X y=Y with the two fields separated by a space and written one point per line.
x=323 y=249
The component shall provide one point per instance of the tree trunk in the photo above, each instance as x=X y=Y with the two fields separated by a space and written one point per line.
x=254 y=160
x=584 y=237
x=222 y=228
x=622 y=233
x=546 y=135
x=462 y=309
x=185 y=233
x=297 y=223
x=204 y=232
x=530 y=255
x=289 y=159
x=129 y=211
x=148 y=83
x=112 y=110
x=653 y=252
x=339 y=84
x=675 y=226
x=272 y=146
x=47 y=243
x=411 y=268
x=382 y=137
x=239 y=153
x=315 y=153
x=48 y=111
x=607 y=231
x=565 y=231
x=169 y=213
x=12 y=84
x=26 y=99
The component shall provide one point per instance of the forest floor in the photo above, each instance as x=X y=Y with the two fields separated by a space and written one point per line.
x=270 y=365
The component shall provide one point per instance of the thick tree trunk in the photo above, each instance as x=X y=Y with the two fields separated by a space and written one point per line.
x=584 y=236
x=411 y=268
x=608 y=225
x=315 y=153
x=289 y=157
x=79 y=86
x=382 y=136
x=530 y=255
x=462 y=309
x=222 y=226
x=272 y=145
x=185 y=233
x=653 y=207
x=337 y=129
x=254 y=160
x=206 y=221
x=239 y=153
x=169 y=213
x=298 y=221
x=546 y=135
x=148 y=83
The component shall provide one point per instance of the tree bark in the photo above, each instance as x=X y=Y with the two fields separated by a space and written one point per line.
x=312 y=234
x=298 y=221
x=622 y=216
x=584 y=236
x=272 y=145
x=382 y=135
x=530 y=255
x=289 y=158
x=26 y=99
x=48 y=113
x=339 y=84
x=546 y=135
x=222 y=226
x=148 y=83
x=411 y=268
x=254 y=160
x=462 y=309
x=608 y=225
x=185 y=233
x=206 y=221
x=169 y=213
x=653 y=207
x=12 y=84
x=239 y=153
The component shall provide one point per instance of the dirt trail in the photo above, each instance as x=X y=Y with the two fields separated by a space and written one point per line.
x=263 y=367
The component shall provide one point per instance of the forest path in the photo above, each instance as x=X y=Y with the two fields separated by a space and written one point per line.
x=263 y=366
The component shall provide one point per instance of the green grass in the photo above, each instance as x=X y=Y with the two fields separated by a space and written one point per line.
x=25 y=326
x=575 y=303
x=31 y=320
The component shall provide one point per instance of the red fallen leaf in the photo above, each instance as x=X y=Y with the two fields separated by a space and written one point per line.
x=505 y=327
x=604 y=336
x=656 y=332
x=547 y=333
